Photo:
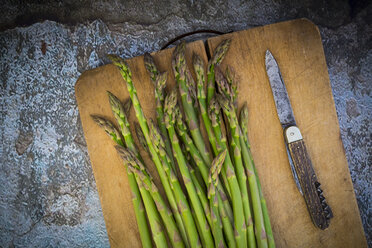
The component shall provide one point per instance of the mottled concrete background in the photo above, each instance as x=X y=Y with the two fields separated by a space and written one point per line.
x=48 y=196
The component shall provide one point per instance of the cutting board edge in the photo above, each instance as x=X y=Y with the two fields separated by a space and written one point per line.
x=304 y=20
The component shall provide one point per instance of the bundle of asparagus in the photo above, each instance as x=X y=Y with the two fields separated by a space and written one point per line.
x=199 y=210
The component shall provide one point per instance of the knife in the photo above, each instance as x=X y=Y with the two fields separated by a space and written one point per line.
x=298 y=156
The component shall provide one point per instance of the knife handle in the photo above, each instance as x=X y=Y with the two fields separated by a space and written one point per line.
x=318 y=208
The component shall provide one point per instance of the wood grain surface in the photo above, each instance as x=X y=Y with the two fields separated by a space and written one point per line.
x=298 y=49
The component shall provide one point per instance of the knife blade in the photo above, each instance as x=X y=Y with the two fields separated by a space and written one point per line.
x=299 y=159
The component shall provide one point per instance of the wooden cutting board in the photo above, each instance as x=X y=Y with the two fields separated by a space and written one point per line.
x=298 y=49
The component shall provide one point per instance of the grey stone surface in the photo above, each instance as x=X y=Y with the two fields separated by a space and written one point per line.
x=48 y=196
x=228 y=14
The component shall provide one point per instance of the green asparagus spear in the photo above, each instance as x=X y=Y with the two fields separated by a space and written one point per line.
x=169 y=118
x=182 y=203
x=223 y=202
x=165 y=213
x=229 y=177
x=127 y=105
x=153 y=216
x=221 y=143
x=226 y=220
x=139 y=209
x=191 y=86
x=141 y=137
x=226 y=99
x=203 y=168
x=223 y=86
x=215 y=215
x=265 y=212
x=236 y=145
x=159 y=80
x=218 y=56
x=119 y=111
x=160 y=83
x=202 y=195
x=159 y=146
x=151 y=67
x=193 y=166
x=233 y=82
x=109 y=128
x=180 y=71
x=229 y=110
x=200 y=76
x=256 y=204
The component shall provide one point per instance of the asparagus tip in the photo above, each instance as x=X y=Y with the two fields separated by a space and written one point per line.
x=114 y=58
x=244 y=111
x=225 y=103
x=148 y=59
x=121 y=63
x=161 y=80
x=215 y=171
x=103 y=123
x=170 y=101
x=127 y=105
x=196 y=60
x=109 y=128
x=114 y=101
x=223 y=85
x=220 y=51
x=141 y=136
x=117 y=106
x=150 y=66
x=218 y=161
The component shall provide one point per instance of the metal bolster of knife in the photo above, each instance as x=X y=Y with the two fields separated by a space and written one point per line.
x=318 y=208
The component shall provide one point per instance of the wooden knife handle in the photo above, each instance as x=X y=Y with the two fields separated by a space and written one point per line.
x=318 y=208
